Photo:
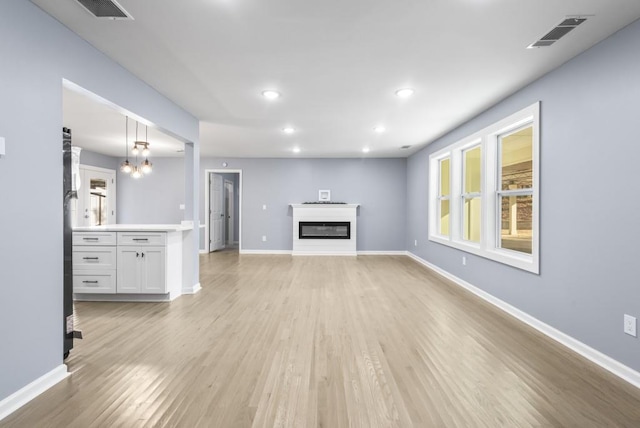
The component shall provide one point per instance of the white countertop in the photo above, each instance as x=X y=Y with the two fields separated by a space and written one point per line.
x=136 y=227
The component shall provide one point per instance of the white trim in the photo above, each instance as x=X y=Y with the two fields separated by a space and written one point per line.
x=606 y=362
x=192 y=290
x=204 y=252
x=32 y=390
x=147 y=298
x=206 y=203
x=487 y=140
x=382 y=253
x=285 y=252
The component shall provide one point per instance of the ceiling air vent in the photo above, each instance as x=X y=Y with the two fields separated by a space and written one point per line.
x=559 y=31
x=105 y=9
x=405 y=147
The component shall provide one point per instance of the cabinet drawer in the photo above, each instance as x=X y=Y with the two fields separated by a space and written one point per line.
x=103 y=282
x=94 y=238
x=94 y=258
x=141 y=239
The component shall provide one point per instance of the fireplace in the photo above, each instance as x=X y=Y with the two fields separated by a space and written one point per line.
x=324 y=230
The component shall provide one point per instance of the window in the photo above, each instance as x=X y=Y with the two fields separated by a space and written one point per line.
x=485 y=192
x=444 y=199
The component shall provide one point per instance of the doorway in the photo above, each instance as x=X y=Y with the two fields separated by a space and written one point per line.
x=224 y=203
x=96 y=203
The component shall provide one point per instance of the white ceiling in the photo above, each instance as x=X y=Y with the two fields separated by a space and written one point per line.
x=337 y=64
x=99 y=127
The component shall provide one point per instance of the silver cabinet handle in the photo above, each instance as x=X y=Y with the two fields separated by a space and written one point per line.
x=89 y=282
x=90 y=258
x=140 y=239
x=90 y=239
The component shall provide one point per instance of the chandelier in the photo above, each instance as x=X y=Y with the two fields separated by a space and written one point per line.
x=139 y=148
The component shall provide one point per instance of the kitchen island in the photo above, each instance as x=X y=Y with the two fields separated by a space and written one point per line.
x=128 y=262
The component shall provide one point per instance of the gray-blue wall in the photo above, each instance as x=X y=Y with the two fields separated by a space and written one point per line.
x=37 y=53
x=379 y=185
x=589 y=230
x=97 y=159
x=154 y=199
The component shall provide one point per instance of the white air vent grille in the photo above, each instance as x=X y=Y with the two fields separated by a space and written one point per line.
x=105 y=9
x=559 y=31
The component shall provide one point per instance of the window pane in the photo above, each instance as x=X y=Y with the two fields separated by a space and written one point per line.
x=516 y=230
x=444 y=217
x=472 y=170
x=471 y=226
x=444 y=177
x=517 y=160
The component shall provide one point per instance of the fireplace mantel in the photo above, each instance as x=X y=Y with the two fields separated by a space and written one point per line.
x=325 y=213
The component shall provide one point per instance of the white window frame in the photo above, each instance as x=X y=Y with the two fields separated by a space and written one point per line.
x=440 y=198
x=488 y=140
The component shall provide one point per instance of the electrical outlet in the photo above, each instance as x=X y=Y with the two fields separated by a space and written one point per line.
x=630 y=325
x=464 y=261
x=264 y=238
x=415 y=243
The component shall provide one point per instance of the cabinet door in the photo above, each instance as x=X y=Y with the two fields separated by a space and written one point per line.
x=153 y=270
x=128 y=270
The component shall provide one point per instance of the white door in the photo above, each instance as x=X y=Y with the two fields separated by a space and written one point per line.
x=216 y=211
x=128 y=276
x=96 y=205
x=228 y=208
x=152 y=270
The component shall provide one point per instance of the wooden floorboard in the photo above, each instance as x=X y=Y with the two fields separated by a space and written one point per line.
x=281 y=341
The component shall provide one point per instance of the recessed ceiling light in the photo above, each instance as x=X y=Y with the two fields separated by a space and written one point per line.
x=379 y=129
x=404 y=92
x=366 y=150
x=288 y=130
x=270 y=94
x=296 y=150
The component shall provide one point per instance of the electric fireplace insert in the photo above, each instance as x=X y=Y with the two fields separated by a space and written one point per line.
x=324 y=230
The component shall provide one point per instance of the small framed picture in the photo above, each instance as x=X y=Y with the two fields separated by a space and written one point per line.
x=324 y=195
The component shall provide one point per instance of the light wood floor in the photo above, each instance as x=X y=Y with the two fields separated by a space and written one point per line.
x=372 y=341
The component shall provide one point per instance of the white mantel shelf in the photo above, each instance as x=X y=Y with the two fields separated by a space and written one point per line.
x=325 y=205
x=322 y=213
x=136 y=227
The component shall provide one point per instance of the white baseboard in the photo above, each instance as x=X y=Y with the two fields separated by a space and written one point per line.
x=32 y=390
x=606 y=362
x=325 y=253
x=141 y=298
x=192 y=290
x=204 y=251
x=286 y=252
x=382 y=253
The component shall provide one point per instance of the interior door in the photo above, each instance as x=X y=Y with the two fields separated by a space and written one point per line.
x=228 y=211
x=96 y=197
x=216 y=210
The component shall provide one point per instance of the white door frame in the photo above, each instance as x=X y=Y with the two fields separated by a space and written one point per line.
x=207 y=192
x=113 y=190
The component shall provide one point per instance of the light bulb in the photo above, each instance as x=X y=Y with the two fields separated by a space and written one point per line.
x=271 y=94
x=146 y=166
x=136 y=173
x=125 y=167
x=145 y=151
x=404 y=92
x=135 y=150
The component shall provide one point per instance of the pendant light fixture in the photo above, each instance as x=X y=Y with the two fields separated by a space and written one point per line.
x=146 y=165
x=126 y=165
x=139 y=147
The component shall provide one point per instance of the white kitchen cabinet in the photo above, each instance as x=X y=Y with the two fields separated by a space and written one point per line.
x=142 y=269
x=124 y=264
